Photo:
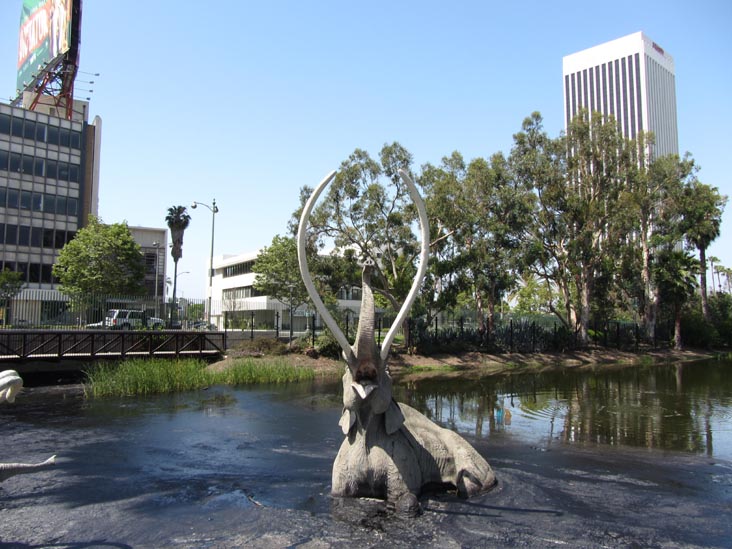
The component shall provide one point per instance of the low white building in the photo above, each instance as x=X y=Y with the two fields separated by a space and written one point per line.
x=235 y=303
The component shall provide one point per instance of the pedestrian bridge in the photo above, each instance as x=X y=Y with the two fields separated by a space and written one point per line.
x=80 y=345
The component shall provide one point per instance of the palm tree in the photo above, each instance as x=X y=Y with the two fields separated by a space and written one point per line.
x=177 y=220
x=703 y=215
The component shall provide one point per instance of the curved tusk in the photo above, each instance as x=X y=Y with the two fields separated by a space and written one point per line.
x=423 y=257
x=305 y=271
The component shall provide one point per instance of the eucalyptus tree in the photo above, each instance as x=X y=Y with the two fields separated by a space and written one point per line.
x=446 y=202
x=498 y=214
x=578 y=179
x=539 y=163
x=178 y=221
x=371 y=218
x=646 y=210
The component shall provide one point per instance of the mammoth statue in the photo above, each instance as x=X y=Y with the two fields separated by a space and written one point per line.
x=391 y=451
x=10 y=384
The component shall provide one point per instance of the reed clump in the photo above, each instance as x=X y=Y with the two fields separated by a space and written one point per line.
x=155 y=376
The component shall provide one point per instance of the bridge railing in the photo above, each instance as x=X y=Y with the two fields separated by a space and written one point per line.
x=59 y=344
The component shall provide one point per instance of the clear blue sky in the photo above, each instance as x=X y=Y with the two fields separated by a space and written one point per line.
x=246 y=102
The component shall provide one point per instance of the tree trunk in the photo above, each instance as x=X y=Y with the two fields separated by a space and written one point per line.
x=677 y=328
x=174 y=308
x=703 y=282
x=479 y=311
x=491 y=315
x=584 y=318
x=649 y=298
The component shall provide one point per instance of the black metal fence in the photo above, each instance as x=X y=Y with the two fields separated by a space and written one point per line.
x=45 y=309
x=49 y=309
x=524 y=334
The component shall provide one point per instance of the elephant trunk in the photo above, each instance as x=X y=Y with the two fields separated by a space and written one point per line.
x=8 y=470
x=366 y=355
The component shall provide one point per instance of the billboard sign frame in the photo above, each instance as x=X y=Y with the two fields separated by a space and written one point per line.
x=44 y=37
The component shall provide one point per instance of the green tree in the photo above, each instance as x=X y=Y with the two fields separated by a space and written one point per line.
x=498 y=210
x=101 y=259
x=178 y=221
x=10 y=285
x=278 y=273
x=538 y=162
x=675 y=272
x=702 y=208
x=447 y=279
x=372 y=219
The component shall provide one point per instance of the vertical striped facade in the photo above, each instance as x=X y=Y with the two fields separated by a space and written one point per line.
x=632 y=79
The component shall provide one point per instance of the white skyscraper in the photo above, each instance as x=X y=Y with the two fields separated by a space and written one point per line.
x=631 y=78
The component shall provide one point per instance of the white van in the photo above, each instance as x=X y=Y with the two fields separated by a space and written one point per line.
x=124 y=319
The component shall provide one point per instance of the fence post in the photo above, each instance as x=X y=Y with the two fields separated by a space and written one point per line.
x=314 y=318
x=277 y=324
x=251 y=327
x=618 y=333
x=410 y=335
x=533 y=337
x=436 y=325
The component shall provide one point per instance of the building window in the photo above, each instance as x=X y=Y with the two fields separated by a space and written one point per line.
x=13 y=196
x=11 y=234
x=49 y=203
x=36 y=237
x=25 y=200
x=48 y=238
x=5 y=123
x=29 y=129
x=238 y=269
x=23 y=235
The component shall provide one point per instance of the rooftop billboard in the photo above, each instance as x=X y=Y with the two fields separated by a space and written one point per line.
x=45 y=35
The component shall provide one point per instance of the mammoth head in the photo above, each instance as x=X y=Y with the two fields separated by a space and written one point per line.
x=366 y=379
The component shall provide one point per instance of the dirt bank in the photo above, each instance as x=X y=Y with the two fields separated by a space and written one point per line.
x=475 y=364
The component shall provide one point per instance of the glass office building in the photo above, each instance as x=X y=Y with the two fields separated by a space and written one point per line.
x=49 y=180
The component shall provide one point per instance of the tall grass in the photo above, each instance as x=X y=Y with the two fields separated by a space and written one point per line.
x=155 y=376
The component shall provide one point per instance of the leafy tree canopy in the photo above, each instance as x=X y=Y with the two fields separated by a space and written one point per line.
x=101 y=259
x=10 y=284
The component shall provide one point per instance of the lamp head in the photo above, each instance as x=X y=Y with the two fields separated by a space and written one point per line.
x=194 y=205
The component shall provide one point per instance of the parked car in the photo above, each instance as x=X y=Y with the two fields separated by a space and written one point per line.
x=124 y=319
x=203 y=325
x=155 y=323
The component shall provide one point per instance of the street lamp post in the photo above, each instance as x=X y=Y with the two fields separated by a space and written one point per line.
x=214 y=210
x=156 y=244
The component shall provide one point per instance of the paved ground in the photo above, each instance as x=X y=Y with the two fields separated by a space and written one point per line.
x=255 y=473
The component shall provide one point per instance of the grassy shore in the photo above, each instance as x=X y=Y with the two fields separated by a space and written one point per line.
x=143 y=377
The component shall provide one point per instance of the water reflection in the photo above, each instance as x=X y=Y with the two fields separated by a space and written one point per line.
x=675 y=407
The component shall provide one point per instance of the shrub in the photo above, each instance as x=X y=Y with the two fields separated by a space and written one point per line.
x=327 y=345
x=267 y=346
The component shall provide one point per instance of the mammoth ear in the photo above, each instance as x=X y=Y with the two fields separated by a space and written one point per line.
x=348 y=418
x=394 y=418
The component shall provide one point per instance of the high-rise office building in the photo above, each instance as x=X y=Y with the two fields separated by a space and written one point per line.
x=631 y=78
